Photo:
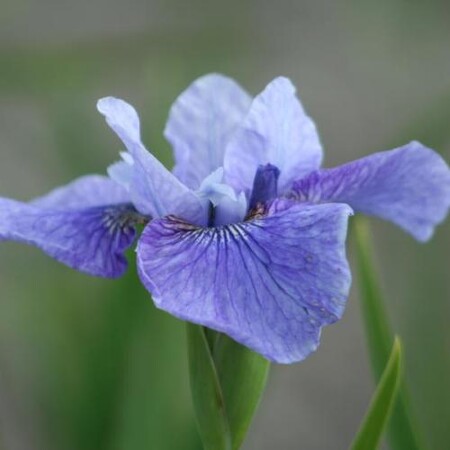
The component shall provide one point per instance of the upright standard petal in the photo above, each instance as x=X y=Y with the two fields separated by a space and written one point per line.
x=154 y=190
x=270 y=283
x=91 y=239
x=276 y=131
x=200 y=124
x=409 y=186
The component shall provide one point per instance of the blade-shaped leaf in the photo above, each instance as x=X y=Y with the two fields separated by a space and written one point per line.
x=402 y=430
x=206 y=392
x=243 y=376
x=380 y=408
x=227 y=381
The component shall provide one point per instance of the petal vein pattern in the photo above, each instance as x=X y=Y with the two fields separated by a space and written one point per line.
x=409 y=186
x=90 y=240
x=82 y=224
x=270 y=283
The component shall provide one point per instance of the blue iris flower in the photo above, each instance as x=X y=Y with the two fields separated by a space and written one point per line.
x=247 y=234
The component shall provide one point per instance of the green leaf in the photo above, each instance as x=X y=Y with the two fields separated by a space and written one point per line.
x=206 y=392
x=380 y=408
x=402 y=430
x=243 y=376
x=227 y=381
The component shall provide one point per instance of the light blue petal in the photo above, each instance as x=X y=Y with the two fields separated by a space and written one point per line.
x=213 y=189
x=84 y=192
x=122 y=171
x=200 y=124
x=231 y=210
x=270 y=283
x=228 y=207
x=409 y=186
x=153 y=189
x=276 y=131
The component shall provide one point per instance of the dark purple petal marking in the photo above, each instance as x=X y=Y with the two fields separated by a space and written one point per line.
x=92 y=240
x=409 y=186
x=265 y=185
x=200 y=124
x=270 y=283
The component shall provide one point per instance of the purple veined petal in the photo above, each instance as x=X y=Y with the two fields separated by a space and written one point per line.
x=153 y=189
x=92 y=240
x=84 y=192
x=276 y=131
x=270 y=283
x=200 y=124
x=409 y=186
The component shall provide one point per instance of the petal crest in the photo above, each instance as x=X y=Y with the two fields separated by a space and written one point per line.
x=270 y=283
x=409 y=186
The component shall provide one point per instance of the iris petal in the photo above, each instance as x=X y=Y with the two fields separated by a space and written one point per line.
x=91 y=240
x=84 y=192
x=154 y=190
x=276 y=131
x=409 y=186
x=200 y=124
x=270 y=283
x=82 y=224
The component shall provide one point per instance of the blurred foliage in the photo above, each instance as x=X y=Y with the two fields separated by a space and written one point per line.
x=109 y=371
x=403 y=429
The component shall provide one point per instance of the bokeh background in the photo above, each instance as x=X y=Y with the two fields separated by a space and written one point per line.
x=90 y=364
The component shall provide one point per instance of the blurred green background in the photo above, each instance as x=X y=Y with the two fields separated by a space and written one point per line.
x=90 y=364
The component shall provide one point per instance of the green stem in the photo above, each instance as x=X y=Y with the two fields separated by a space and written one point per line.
x=227 y=382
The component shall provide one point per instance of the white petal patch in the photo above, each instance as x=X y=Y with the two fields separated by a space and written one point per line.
x=229 y=207
x=214 y=190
